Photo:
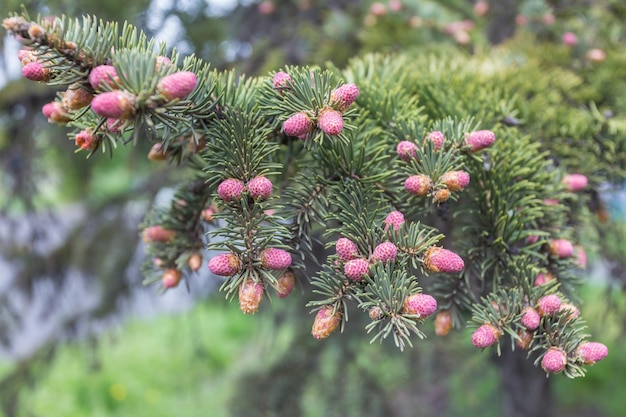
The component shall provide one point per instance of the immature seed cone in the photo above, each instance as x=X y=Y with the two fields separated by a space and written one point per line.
x=275 y=259
x=177 y=85
x=443 y=323
x=561 y=248
x=55 y=112
x=554 y=360
x=260 y=188
x=330 y=121
x=115 y=104
x=346 y=249
x=157 y=152
x=195 y=261
x=420 y=304
x=418 y=184
x=385 y=252
x=455 y=180
x=581 y=256
x=441 y=195
x=76 y=97
x=162 y=62
x=344 y=96
x=298 y=124
x=548 y=304
x=543 y=278
x=442 y=260
x=250 y=295
x=480 y=139
x=285 y=284
x=591 y=352
x=326 y=321
x=375 y=313
x=103 y=75
x=437 y=139
x=394 y=219
x=575 y=182
x=230 y=189
x=485 y=336
x=225 y=264
x=85 y=140
x=157 y=234
x=281 y=80
x=171 y=278
x=406 y=150
x=35 y=71
x=355 y=269
x=570 y=309
x=525 y=339
x=530 y=318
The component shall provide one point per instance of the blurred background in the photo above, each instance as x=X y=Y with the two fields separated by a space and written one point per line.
x=81 y=336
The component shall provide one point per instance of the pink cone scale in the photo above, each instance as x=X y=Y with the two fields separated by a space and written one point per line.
x=418 y=185
x=395 y=219
x=230 y=189
x=548 y=304
x=35 y=71
x=298 y=125
x=326 y=321
x=114 y=104
x=561 y=248
x=346 y=249
x=554 y=360
x=101 y=75
x=385 y=252
x=250 y=295
x=543 y=278
x=225 y=264
x=530 y=318
x=260 y=188
x=437 y=138
x=575 y=182
x=330 y=121
x=486 y=335
x=442 y=260
x=281 y=79
x=455 y=180
x=479 y=140
x=355 y=269
x=406 y=150
x=157 y=233
x=275 y=259
x=422 y=305
x=177 y=85
x=344 y=96
x=592 y=352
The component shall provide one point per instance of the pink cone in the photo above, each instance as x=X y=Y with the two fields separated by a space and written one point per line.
x=114 y=104
x=575 y=182
x=344 y=96
x=225 y=264
x=281 y=80
x=230 y=189
x=592 y=352
x=480 y=139
x=548 y=304
x=406 y=150
x=455 y=180
x=561 y=248
x=442 y=260
x=260 y=188
x=420 y=304
x=355 y=269
x=177 y=85
x=346 y=249
x=298 y=124
x=330 y=121
x=554 y=360
x=437 y=138
x=394 y=219
x=530 y=318
x=418 y=185
x=35 y=71
x=485 y=336
x=385 y=252
x=275 y=259
x=101 y=75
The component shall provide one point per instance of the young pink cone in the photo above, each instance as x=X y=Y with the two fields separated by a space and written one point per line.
x=225 y=264
x=406 y=150
x=326 y=321
x=55 y=112
x=554 y=360
x=27 y=54
x=157 y=234
x=581 y=256
x=275 y=259
x=561 y=248
x=330 y=121
x=260 y=188
x=298 y=125
x=530 y=318
x=570 y=309
x=422 y=305
x=171 y=278
x=442 y=260
x=35 y=71
x=346 y=249
x=569 y=39
x=281 y=80
x=575 y=182
x=230 y=189
x=385 y=252
x=486 y=335
x=103 y=75
x=437 y=139
x=418 y=185
x=543 y=278
x=480 y=139
x=441 y=195
x=250 y=295
x=177 y=85
x=85 y=140
x=548 y=304
x=356 y=268
x=455 y=180
x=114 y=104
x=162 y=62
x=285 y=284
x=394 y=219
x=592 y=352
x=344 y=96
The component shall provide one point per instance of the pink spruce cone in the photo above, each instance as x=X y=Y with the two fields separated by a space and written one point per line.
x=581 y=256
x=162 y=62
x=275 y=259
x=480 y=139
x=285 y=284
x=225 y=264
x=101 y=75
x=250 y=295
x=530 y=318
x=157 y=233
x=281 y=80
x=486 y=335
x=569 y=39
x=85 y=140
x=406 y=150
x=35 y=71
x=177 y=85
x=548 y=304
x=394 y=219
x=554 y=360
x=575 y=182
x=330 y=121
x=346 y=249
x=385 y=252
x=422 y=305
x=570 y=309
x=437 y=138
x=543 y=278
x=114 y=104
x=230 y=189
x=356 y=268
x=455 y=180
x=344 y=96
x=418 y=185
x=561 y=248
x=260 y=188
x=114 y=125
x=24 y=54
x=171 y=278
x=326 y=321
x=592 y=352
x=55 y=112
x=298 y=125
x=442 y=260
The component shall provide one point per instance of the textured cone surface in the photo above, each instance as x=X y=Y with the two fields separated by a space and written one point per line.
x=325 y=323
x=281 y=79
x=298 y=125
x=406 y=150
x=385 y=252
x=480 y=139
x=225 y=264
x=592 y=352
x=260 y=188
x=273 y=258
x=114 y=104
x=485 y=336
x=394 y=219
x=437 y=138
x=443 y=323
x=178 y=85
x=171 y=278
x=330 y=121
x=561 y=248
x=418 y=185
x=285 y=284
x=101 y=75
x=375 y=313
x=548 y=304
x=455 y=180
x=250 y=295
x=230 y=189
x=345 y=95
x=35 y=71
x=530 y=318
x=575 y=182
x=346 y=249
x=442 y=260
x=422 y=305
x=554 y=360
x=356 y=268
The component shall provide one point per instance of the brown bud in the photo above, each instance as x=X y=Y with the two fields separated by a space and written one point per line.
x=195 y=261
x=157 y=153
x=441 y=196
x=326 y=321
x=76 y=97
x=171 y=278
x=443 y=323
